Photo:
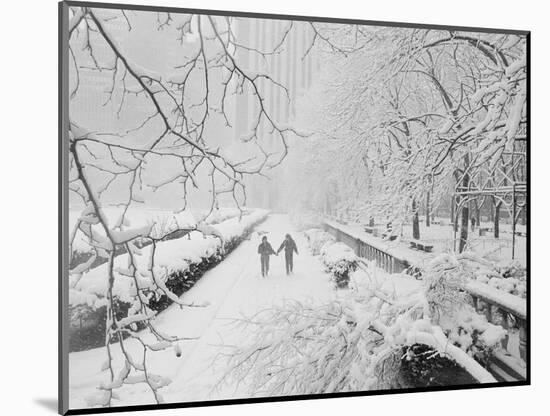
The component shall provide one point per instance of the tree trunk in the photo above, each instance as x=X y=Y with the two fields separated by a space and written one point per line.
x=416 y=223
x=491 y=209
x=477 y=212
x=464 y=228
x=496 y=223
x=453 y=216
x=465 y=208
x=428 y=209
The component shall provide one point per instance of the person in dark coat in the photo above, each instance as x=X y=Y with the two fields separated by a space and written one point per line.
x=265 y=250
x=290 y=248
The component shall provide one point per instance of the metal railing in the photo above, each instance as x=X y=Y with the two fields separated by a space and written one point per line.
x=506 y=310
x=383 y=259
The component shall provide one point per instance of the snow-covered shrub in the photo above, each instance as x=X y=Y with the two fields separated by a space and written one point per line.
x=339 y=261
x=162 y=222
x=219 y=215
x=514 y=270
x=472 y=333
x=87 y=324
x=364 y=340
x=424 y=366
x=510 y=278
x=445 y=280
x=317 y=238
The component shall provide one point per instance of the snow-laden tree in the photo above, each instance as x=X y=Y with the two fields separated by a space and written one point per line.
x=405 y=119
x=481 y=83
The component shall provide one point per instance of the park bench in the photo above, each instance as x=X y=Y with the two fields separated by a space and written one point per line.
x=388 y=236
x=483 y=231
x=421 y=246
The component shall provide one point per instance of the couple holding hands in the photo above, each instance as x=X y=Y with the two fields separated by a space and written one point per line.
x=265 y=250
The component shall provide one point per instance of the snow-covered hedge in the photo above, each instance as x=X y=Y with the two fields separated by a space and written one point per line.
x=338 y=258
x=510 y=279
x=178 y=264
x=317 y=238
x=446 y=280
x=163 y=221
x=340 y=261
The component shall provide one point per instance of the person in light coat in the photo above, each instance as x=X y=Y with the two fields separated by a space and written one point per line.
x=290 y=248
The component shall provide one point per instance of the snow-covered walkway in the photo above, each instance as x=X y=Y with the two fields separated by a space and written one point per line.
x=234 y=288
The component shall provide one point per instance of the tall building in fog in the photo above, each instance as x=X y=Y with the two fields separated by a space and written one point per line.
x=294 y=65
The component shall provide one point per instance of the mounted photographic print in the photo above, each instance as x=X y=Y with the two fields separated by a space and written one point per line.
x=267 y=207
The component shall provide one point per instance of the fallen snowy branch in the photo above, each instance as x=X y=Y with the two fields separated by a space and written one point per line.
x=361 y=341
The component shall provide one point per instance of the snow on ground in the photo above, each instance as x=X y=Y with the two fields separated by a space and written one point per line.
x=441 y=236
x=233 y=289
